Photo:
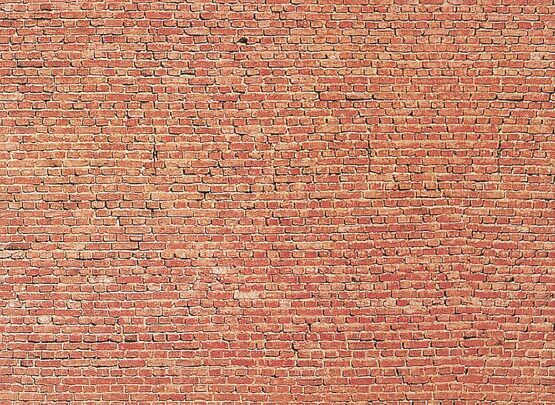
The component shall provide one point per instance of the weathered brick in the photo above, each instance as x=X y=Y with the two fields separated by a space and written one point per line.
x=277 y=202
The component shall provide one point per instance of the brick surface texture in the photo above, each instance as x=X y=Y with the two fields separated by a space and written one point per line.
x=277 y=202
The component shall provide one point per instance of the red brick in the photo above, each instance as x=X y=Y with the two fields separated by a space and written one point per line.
x=277 y=202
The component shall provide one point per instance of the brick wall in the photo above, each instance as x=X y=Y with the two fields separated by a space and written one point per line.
x=323 y=201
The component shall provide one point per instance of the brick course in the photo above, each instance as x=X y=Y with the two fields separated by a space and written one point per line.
x=276 y=201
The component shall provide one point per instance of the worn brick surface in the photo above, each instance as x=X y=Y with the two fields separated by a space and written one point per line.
x=322 y=201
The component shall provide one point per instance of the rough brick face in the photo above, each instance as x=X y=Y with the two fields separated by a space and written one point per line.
x=277 y=201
